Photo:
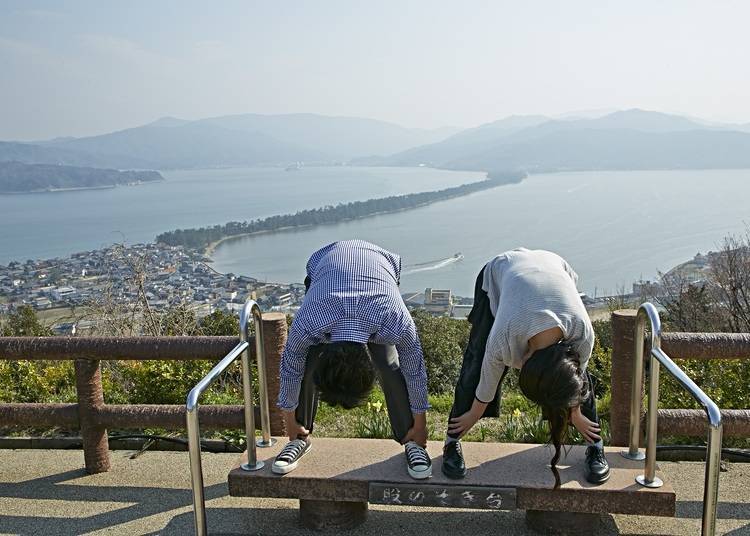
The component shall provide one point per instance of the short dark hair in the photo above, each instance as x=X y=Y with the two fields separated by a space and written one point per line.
x=344 y=374
x=552 y=378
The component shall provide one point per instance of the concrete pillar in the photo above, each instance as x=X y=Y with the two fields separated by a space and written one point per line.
x=331 y=515
x=573 y=523
x=91 y=397
x=274 y=338
x=623 y=327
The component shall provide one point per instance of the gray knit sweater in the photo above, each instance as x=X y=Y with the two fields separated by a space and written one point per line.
x=530 y=291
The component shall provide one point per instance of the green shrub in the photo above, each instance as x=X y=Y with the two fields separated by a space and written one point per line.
x=220 y=323
x=372 y=421
x=37 y=381
x=603 y=333
x=519 y=427
x=443 y=341
x=23 y=322
x=724 y=381
x=441 y=403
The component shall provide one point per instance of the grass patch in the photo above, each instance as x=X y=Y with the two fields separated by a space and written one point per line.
x=520 y=421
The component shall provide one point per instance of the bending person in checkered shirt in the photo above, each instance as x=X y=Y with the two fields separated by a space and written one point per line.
x=353 y=325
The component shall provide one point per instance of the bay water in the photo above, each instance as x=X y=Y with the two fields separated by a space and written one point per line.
x=52 y=224
x=614 y=227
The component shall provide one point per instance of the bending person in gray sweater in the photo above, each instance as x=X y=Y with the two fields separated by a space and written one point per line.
x=528 y=315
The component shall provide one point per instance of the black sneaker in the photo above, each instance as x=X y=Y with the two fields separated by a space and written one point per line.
x=453 y=460
x=287 y=459
x=596 y=468
x=417 y=461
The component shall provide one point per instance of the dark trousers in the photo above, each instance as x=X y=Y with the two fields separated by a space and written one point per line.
x=481 y=320
x=385 y=359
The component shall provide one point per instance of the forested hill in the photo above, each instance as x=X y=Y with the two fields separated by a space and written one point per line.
x=204 y=236
x=16 y=177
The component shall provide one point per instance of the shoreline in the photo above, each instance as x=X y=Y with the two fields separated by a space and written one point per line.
x=79 y=188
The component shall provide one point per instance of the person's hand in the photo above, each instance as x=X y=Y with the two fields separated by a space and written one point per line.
x=294 y=429
x=463 y=423
x=587 y=428
x=418 y=432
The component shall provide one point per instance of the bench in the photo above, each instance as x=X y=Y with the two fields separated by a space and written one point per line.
x=338 y=478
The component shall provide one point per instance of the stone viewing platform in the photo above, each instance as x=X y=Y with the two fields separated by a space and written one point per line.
x=49 y=492
x=344 y=482
x=340 y=476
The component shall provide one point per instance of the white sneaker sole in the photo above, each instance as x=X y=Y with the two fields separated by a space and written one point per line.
x=284 y=469
x=420 y=475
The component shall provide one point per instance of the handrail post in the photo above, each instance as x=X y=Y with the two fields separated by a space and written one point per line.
x=711 y=486
x=248 y=310
x=647 y=310
x=633 y=452
x=194 y=436
x=649 y=478
x=657 y=358
x=251 y=308
x=260 y=352
x=196 y=469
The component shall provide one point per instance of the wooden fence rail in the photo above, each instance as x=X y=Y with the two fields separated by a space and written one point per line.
x=93 y=417
x=677 y=346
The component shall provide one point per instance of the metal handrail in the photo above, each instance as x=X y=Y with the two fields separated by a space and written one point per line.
x=657 y=357
x=250 y=308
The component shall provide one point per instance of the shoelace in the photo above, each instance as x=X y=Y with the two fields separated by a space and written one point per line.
x=458 y=447
x=292 y=450
x=596 y=454
x=416 y=455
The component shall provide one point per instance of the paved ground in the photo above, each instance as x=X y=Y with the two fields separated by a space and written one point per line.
x=47 y=492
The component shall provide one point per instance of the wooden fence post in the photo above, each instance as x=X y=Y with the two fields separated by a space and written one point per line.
x=623 y=327
x=90 y=398
x=274 y=338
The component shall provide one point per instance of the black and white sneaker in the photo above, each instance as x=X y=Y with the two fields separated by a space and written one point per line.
x=290 y=455
x=417 y=461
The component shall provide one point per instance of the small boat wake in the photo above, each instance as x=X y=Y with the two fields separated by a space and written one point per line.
x=432 y=265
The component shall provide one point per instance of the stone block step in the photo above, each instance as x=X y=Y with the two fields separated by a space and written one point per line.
x=374 y=470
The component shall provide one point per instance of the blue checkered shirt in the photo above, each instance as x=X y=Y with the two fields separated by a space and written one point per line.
x=353 y=296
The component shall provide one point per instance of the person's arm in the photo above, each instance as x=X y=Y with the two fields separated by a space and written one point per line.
x=291 y=372
x=585 y=346
x=493 y=367
x=463 y=423
x=292 y=367
x=590 y=430
x=490 y=376
x=412 y=366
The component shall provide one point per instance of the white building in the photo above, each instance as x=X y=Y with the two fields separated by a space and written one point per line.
x=62 y=293
x=438 y=301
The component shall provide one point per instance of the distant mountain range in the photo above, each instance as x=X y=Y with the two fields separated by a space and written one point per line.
x=235 y=140
x=629 y=139
x=16 y=177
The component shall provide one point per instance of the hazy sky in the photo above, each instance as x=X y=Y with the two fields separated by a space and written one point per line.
x=78 y=68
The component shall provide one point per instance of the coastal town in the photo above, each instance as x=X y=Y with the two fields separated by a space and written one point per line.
x=172 y=276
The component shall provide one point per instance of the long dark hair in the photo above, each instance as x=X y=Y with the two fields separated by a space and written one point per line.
x=344 y=374
x=552 y=378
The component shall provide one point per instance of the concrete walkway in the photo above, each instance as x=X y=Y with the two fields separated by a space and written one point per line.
x=47 y=492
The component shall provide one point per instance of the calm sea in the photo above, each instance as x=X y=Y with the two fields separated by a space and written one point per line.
x=613 y=227
x=46 y=225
